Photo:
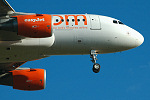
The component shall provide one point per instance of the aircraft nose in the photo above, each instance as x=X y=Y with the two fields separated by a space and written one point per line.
x=133 y=38
x=139 y=39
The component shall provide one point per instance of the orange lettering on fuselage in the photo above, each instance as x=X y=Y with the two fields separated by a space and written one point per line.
x=59 y=21
x=67 y=17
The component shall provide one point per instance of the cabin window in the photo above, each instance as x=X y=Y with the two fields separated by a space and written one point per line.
x=67 y=20
x=73 y=20
x=57 y=20
x=62 y=20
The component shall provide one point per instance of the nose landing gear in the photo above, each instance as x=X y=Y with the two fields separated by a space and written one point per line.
x=96 y=66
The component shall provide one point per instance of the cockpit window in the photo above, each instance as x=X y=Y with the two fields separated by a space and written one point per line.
x=115 y=21
x=120 y=22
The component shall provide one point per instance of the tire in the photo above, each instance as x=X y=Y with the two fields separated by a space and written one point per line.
x=96 y=68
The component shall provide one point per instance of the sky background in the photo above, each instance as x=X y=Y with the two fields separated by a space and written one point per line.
x=123 y=76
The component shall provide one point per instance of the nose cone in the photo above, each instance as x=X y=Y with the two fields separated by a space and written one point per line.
x=134 y=38
x=139 y=39
x=130 y=39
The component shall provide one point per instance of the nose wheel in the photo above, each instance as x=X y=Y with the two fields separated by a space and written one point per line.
x=96 y=66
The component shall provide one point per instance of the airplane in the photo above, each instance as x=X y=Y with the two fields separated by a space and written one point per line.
x=29 y=36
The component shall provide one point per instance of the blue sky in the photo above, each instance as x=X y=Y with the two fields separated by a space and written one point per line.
x=123 y=76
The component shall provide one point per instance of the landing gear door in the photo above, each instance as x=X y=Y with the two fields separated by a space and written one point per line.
x=95 y=22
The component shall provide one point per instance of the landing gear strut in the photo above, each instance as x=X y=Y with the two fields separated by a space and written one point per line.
x=96 y=66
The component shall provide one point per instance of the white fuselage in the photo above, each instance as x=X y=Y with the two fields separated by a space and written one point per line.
x=73 y=35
